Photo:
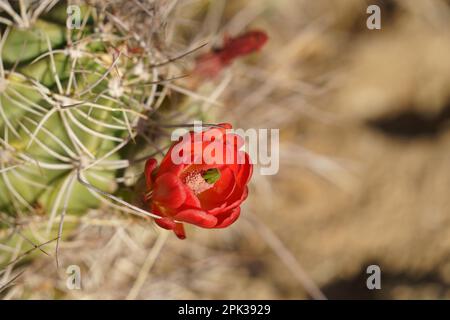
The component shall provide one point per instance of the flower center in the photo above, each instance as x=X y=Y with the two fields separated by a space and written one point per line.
x=199 y=182
x=211 y=175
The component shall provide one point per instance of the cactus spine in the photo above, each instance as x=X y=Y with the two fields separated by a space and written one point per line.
x=71 y=102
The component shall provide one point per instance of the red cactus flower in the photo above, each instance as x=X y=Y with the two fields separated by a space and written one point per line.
x=202 y=180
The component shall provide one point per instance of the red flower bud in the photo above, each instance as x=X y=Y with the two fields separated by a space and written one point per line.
x=210 y=64
x=202 y=180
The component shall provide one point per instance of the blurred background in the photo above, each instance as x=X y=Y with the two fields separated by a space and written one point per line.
x=364 y=164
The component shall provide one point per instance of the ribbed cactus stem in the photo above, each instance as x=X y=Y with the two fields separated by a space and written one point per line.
x=73 y=102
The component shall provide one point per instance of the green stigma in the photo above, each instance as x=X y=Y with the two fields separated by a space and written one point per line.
x=211 y=175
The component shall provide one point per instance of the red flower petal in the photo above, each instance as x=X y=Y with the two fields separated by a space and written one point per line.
x=234 y=201
x=225 y=125
x=169 y=191
x=245 y=172
x=208 y=65
x=165 y=223
x=197 y=217
x=167 y=165
x=222 y=189
x=235 y=140
x=191 y=202
x=228 y=218
x=179 y=231
x=150 y=165
x=225 y=185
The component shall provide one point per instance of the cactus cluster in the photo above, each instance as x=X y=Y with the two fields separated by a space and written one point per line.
x=73 y=102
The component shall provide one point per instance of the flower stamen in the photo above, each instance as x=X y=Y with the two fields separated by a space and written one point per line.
x=197 y=183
